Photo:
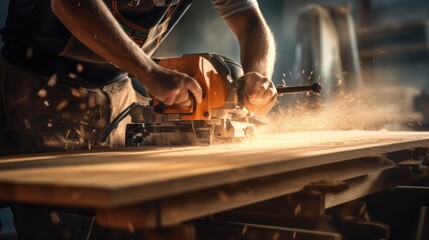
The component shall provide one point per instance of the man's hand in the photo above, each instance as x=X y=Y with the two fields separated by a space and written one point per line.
x=259 y=93
x=173 y=87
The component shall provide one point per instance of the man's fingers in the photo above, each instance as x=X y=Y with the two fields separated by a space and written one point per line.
x=182 y=96
x=193 y=86
x=270 y=93
x=259 y=89
x=256 y=84
x=263 y=87
x=186 y=103
x=169 y=101
x=252 y=88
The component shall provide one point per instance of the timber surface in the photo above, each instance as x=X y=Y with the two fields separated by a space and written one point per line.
x=115 y=178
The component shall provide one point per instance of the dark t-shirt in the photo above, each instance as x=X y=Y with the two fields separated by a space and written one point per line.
x=35 y=38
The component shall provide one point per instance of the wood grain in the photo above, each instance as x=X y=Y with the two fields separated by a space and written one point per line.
x=126 y=176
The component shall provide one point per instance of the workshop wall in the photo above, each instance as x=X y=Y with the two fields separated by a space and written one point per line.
x=396 y=40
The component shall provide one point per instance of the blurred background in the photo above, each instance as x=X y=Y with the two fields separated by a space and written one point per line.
x=371 y=57
x=380 y=45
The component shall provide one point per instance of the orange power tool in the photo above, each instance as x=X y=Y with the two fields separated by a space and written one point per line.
x=220 y=116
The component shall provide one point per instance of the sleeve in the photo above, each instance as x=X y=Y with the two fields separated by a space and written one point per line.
x=227 y=8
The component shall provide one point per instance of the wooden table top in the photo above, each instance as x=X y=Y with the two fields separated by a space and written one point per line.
x=114 y=178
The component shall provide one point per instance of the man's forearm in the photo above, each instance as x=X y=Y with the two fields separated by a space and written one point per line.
x=258 y=51
x=257 y=45
x=92 y=23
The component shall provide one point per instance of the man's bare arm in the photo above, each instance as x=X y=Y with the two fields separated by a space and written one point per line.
x=256 y=41
x=91 y=22
x=257 y=50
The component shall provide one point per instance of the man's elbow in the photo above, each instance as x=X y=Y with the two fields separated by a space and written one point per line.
x=62 y=7
x=56 y=6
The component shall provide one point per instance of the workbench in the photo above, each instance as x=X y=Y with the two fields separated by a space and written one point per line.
x=170 y=185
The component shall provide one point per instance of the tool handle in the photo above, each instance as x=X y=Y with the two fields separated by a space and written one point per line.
x=315 y=87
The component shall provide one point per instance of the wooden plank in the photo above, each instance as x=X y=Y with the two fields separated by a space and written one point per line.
x=115 y=178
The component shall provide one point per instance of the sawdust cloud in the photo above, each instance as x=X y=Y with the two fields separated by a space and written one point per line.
x=370 y=108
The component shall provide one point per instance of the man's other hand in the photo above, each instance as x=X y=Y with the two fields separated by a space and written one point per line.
x=259 y=93
x=172 y=87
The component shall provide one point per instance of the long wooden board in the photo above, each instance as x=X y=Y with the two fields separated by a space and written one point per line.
x=115 y=178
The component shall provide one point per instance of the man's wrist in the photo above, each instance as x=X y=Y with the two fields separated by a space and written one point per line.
x=146 y=73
